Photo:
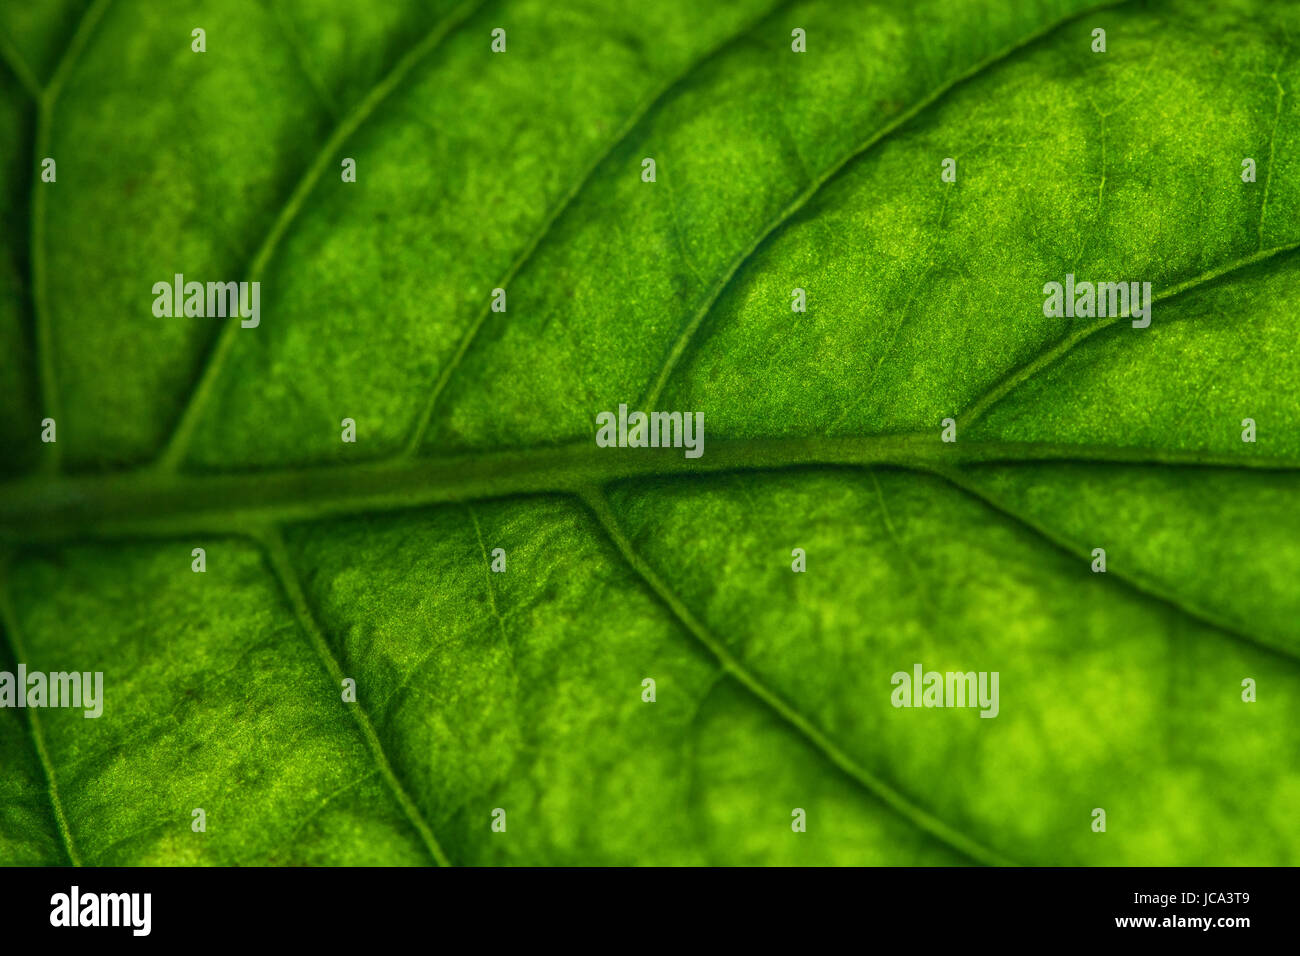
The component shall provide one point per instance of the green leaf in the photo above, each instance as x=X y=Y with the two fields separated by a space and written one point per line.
x=329 y=561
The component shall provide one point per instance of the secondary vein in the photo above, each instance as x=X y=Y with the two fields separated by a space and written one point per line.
x=687 y=334
x=178 y=444
x=42 y=315
x=566 y=201
x=823 y=744
x=1017 y=377
x=9 y=623
x=1135 y=581
x=278 y=557
x=18 y=66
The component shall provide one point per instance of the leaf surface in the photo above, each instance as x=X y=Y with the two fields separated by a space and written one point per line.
x=522 y=690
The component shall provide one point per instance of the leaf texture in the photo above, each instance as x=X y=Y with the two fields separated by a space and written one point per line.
x=370 y=561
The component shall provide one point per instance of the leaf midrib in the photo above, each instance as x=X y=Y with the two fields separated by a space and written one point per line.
x=149 y=504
